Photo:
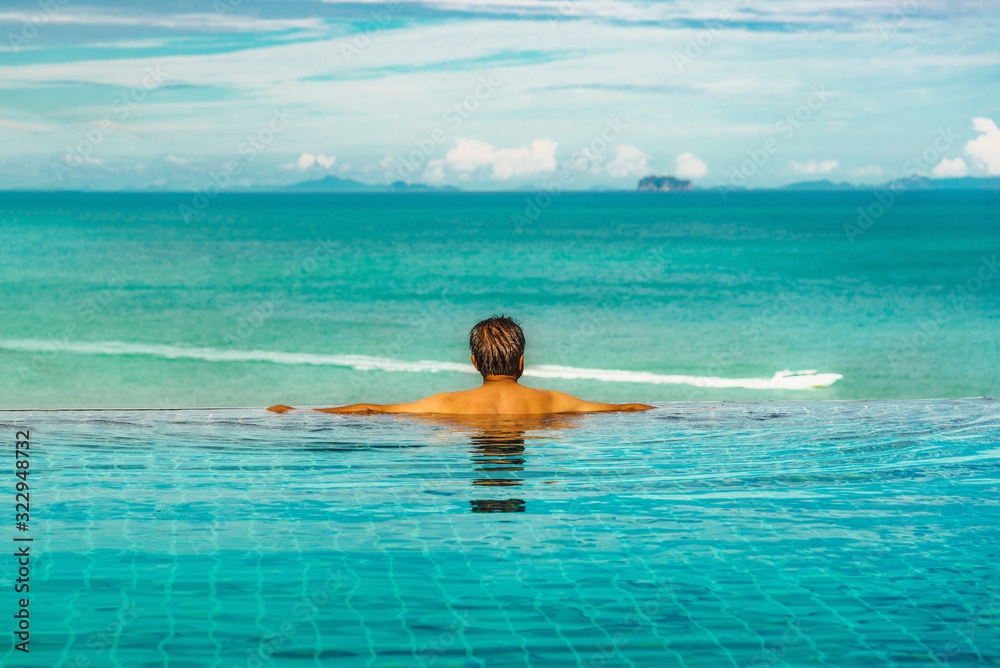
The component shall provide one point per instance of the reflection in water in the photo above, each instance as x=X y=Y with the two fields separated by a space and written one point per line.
x=500 y=455
x=498 y=450
x=497 y=505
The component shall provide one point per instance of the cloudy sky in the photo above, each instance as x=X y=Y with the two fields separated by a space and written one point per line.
x=495 y=95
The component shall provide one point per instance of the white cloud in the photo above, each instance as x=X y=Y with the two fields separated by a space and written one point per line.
x=74 y=160
x=308 y=160
x=868 y=170
x=25 y=126
x=174 y=160
x=220 y=21
x=434 y=171
x=690 y=167
x=628 y=161
x=814 y=167
x=469 y=155
x=804 y=12
x=950 y=168
x=985 y=149
x=305 y=161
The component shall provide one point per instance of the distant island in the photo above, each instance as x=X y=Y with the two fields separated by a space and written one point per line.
x=336 y=184
x=908 y=183
x=664 y=184
x=652 y=183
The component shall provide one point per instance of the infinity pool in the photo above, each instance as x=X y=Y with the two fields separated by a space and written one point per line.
x=748 y=534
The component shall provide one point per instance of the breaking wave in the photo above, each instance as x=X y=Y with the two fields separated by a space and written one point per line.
x=782 y=380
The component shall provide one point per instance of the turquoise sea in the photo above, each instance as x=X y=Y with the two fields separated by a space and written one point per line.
x=115 y=300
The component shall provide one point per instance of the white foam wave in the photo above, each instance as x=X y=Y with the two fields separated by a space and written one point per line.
x=783 y=380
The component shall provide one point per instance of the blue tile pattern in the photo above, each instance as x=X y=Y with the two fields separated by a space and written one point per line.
x=751 y=534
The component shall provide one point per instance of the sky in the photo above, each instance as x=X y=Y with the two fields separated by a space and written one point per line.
x=495 y=95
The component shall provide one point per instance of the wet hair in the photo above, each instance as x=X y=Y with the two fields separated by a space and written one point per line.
x=497 y=344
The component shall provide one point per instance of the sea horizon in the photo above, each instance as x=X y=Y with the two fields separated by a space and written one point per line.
x=922 y=183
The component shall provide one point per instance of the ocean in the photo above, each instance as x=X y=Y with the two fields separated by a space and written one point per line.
x=133 y=300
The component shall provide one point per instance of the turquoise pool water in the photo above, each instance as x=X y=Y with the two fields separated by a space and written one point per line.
x=752 y=534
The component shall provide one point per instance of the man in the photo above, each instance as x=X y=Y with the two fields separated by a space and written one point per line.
x=497 y=346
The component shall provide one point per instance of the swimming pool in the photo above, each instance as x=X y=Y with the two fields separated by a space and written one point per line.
x=822 y=533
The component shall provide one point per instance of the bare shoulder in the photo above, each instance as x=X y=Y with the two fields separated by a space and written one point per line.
x=561 y=402
x=567 y=403
x=444 y=402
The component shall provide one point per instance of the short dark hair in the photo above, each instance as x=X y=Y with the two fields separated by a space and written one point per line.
x=497 y=343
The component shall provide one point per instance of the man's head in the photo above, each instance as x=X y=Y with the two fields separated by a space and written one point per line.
x=497 y=346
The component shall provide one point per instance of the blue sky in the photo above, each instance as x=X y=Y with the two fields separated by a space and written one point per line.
x=495 y=95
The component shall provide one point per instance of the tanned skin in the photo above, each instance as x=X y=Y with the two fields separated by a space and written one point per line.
x=498 y=395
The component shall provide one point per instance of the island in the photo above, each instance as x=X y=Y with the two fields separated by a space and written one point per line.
x=664 y=184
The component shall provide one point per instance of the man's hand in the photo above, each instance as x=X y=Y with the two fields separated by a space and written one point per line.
x=280 y=408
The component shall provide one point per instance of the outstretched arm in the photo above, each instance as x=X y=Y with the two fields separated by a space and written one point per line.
x=357 y=408
x=594 y=407
x=436 y=403
x=567 y=403
x=629 y=407
x=433 y=404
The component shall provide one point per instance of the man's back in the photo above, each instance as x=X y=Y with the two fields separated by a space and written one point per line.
x=502 y=397
x=497 y=346
x=506 y=399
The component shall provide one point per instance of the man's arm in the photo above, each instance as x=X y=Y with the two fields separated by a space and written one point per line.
x=353 y=408
x=437 y=403
x=567 y=403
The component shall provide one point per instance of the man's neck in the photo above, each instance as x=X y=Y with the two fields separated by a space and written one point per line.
x=499 y=380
